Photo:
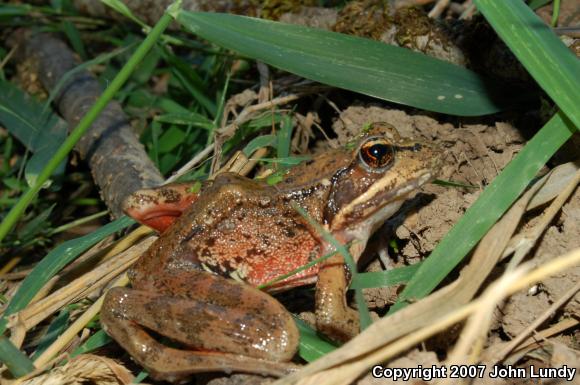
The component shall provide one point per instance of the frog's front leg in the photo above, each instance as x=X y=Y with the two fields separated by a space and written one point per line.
x=222 y=325
x=333 y=316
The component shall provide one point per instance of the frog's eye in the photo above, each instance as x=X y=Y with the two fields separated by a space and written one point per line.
x=376 y=154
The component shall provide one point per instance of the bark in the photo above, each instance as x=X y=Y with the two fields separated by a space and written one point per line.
x=118 y=161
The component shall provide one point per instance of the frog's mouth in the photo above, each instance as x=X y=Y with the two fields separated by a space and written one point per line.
x=377 y=204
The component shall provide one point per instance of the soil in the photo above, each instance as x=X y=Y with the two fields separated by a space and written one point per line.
x=475 y=154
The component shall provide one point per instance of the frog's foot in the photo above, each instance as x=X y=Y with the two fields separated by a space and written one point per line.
x=333 y=316
x=214 y=337
x=159 y=207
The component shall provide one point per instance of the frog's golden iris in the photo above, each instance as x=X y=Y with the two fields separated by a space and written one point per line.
x=377 y=154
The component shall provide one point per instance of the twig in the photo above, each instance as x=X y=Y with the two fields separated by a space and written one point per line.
x=534 y=341
x=438 y=8
x=532 y=236
x=499 y=355
x=118 y=161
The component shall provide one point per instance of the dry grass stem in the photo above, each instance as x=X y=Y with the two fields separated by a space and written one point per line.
x=474 y=334
x=246 y=115
x=249 y=111
x=93 y=252
x=65 y=338
x=508 y=284
x=191 y=164
x=241 y=164
x=531 y=236
x=537 y=340
x=558 y=179
x=18 y=332
x=85 y=369
x=469 y=12
x=436 y=306
x=438 y=8
x=82 y=286
x=495 y=355
x=254 y=159
x=470 y=344
x=9 y=265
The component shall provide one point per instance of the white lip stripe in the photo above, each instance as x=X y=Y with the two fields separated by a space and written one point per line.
x=377 y=187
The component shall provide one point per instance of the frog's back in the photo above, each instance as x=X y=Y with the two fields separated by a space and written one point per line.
x=238 y=228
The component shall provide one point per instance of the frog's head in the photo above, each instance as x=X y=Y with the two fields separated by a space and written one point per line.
x=384 y=170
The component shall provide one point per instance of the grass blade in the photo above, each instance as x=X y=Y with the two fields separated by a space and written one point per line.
x=488 y=208
x=19 y=208
x=540 y=51
x=55 y=329
x=311 y=346
x=14 y=359
x=53 y=262
x=384 y=278
x=268 y=140
x=97 y=340
x=363 y=310
x=42 y=132
x=378 y=69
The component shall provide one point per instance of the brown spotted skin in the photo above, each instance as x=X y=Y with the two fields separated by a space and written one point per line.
x=240 y=228
x=237 y=227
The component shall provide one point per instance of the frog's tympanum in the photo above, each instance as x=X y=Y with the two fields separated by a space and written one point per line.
x=193 y=306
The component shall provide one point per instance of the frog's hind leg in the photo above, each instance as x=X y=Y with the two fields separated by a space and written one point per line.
x=216 y=336
x=170 y=364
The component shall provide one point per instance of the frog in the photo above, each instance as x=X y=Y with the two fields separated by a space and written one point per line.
x=194 y=304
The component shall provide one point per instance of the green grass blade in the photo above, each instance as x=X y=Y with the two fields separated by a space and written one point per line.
x=53 y=262
x=555 y=13
x=377 y=69
x=125 y=11
x=384 y=278
x=535 y=4
x=95 y=341
x=57 y=326
x=186 y=119
x=311 y=346
x=19 y=208
x=488 y=208
x=15 y=10
x=42 y=132
x=47 y=268
x=268 y=140
x=74 y=37
x=14 y=359
x=104 y=58
x=295 y=271
x=284 y=137
x=553 y=66
x=196 y=92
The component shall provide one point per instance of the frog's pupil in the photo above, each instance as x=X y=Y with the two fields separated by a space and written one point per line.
x=377 y=155
x=378 y=151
